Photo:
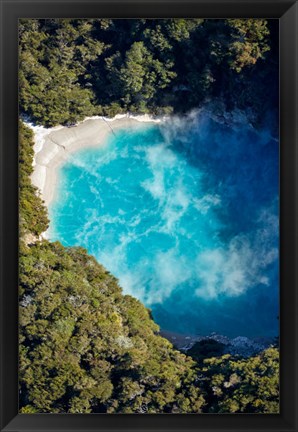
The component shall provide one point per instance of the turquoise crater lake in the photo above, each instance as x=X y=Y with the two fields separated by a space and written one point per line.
x=185 y=215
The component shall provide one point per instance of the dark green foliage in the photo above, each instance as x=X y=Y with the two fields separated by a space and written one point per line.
x=55 y=57
x=205 y=349
x=32 y=213
x=242 y=385
x=249 y=42
x=85 y=347
x=70 y=69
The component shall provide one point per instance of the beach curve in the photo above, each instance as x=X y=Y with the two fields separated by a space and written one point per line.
x=52 y=146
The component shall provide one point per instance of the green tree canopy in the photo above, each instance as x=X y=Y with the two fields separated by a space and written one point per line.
x=73 y=68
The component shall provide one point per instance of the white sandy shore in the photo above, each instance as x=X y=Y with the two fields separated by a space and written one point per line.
x=53 y=146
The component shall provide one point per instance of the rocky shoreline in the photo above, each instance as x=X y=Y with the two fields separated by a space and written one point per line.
x=240 y=345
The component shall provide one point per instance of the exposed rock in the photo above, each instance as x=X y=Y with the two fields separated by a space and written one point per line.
x=30 y=238
x=241 y=345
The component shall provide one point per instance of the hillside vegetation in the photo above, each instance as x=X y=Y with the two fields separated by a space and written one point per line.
x=85 y=347
x=70 y=69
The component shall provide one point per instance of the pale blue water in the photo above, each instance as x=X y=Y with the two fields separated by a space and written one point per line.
x=185 y=215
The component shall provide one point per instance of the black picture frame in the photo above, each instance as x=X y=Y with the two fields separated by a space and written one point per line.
x=284 y=10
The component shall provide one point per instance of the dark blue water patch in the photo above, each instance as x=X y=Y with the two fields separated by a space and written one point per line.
x=238 y=163
x=185 y=215
x=255 y=314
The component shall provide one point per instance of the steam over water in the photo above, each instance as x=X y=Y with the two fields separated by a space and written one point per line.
x=185 y=215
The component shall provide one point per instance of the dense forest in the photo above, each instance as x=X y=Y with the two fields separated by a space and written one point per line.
x=70 y=69
x=85 y=347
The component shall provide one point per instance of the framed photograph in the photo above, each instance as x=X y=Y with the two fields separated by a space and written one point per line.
x=149 y=215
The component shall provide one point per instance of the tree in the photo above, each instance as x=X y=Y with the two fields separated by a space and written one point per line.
x=55 y=58
x=140 y=77
x=73 y=68
x=240 y=385
x=249 y=42
x=32 y=213
x=85 y=347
